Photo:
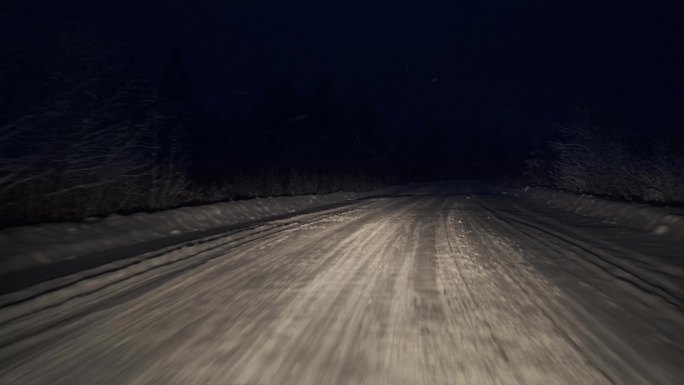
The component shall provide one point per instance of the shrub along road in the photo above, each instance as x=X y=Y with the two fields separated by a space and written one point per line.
x=447 y=284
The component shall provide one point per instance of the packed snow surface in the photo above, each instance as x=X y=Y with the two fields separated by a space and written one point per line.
x=433 y=284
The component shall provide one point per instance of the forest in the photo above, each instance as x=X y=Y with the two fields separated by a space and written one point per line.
x=82 y=135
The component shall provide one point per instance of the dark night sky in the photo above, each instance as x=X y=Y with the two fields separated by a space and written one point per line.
x=514 y=65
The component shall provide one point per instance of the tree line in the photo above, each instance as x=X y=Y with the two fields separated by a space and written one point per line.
x=82 y=136
x=600 y=159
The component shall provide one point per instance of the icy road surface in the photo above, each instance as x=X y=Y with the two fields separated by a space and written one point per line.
x=445 y=285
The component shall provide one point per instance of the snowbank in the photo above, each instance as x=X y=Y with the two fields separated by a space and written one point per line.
x=28 y=247
x=658 y=220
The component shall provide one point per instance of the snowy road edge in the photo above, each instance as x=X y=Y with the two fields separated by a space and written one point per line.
x=63 y=247
x=639 y=216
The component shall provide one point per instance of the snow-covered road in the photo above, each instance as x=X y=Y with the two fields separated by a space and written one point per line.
x=444 y=285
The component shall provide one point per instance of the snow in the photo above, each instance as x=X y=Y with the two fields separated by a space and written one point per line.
x=640 y=216
x=27 y=247
x=441 y=285
x=357 y=296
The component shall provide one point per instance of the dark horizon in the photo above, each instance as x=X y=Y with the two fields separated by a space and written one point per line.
x=513 y=68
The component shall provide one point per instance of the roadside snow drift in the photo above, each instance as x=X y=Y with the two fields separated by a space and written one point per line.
x=30 y=246
x=640 y=216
